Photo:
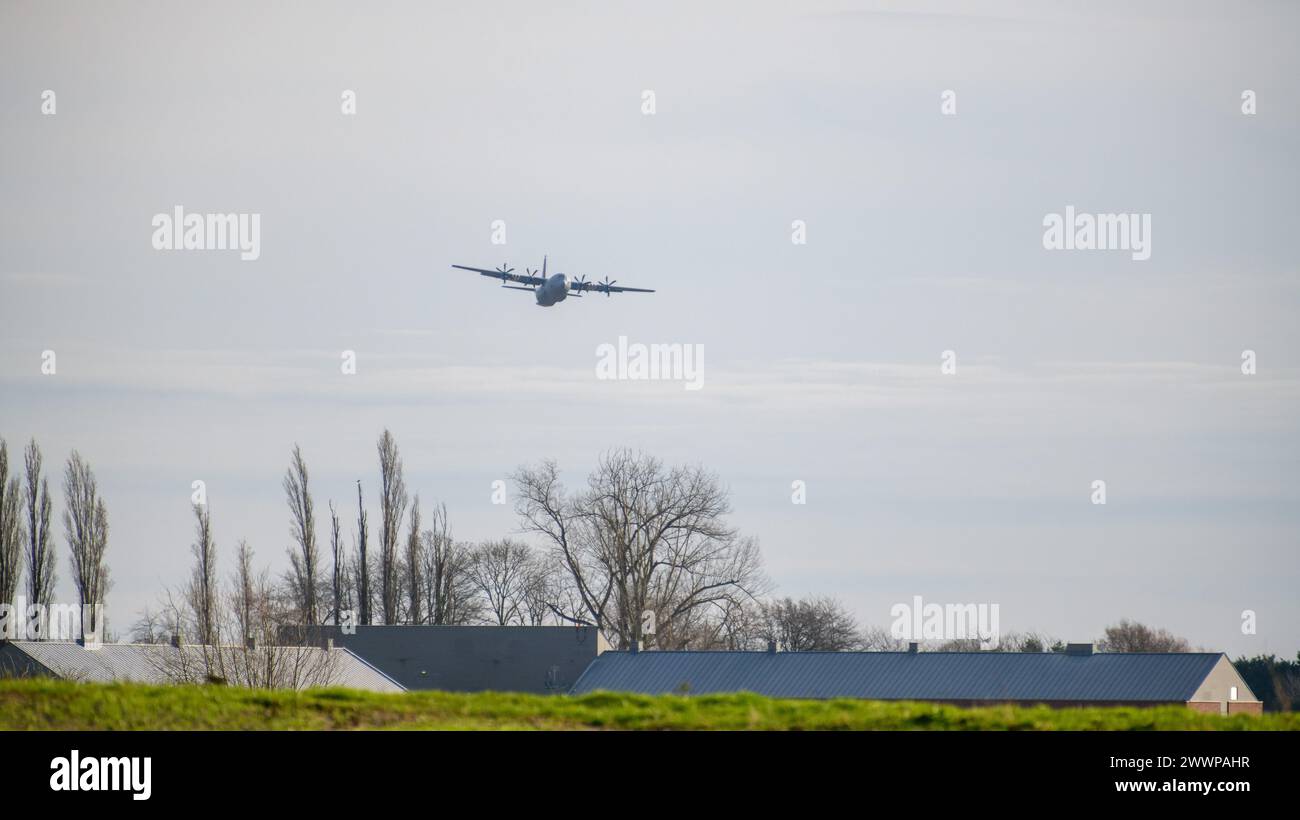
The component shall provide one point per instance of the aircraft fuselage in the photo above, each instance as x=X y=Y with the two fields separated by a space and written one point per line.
x=555 y=289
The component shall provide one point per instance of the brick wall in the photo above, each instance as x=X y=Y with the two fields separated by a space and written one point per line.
x=1212 y=707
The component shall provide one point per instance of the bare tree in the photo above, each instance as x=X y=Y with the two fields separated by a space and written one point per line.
x=256 y=613
x=449 y=590
x=85 y=522
x=414 y=566
x=250 y=598
x=252 y=665
x=304 y=564
x=879 y=639
x=392 y=508
x=202 y=594
x=810 y=625
x=642 y=538
x=503 y=572
x=40 y=552
x=11 y=529
x=1131 y=636
x=735 y=625
x=362 y=563
x=544 y=590
x=1006 y=642
x=167 y=621
x=267 y=666
x=339 y=570
x=152 y=626
x=360 y=580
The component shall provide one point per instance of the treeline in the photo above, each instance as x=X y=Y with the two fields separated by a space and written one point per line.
x=27 y=550
x=643 y=552
x=1275 y=681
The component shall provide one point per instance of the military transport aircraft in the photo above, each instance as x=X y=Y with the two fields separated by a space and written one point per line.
x=555 y=288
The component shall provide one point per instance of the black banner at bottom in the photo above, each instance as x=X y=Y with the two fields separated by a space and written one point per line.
x=146 y=771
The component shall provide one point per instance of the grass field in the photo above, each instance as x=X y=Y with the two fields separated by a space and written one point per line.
x=47 y=704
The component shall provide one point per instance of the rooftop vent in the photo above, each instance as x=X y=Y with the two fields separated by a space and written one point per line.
x=771 y=647
x=178 y=638
x=1078 y=649
x=913 y=648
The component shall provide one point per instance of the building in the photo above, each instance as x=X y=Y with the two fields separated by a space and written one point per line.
x=1203 y=681
x=291 y=667
x=541 y=659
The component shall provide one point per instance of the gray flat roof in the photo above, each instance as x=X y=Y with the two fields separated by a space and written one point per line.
x=541 y=659
x=947 y=676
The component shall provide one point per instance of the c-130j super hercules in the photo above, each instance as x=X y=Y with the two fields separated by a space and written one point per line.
x=553 y=289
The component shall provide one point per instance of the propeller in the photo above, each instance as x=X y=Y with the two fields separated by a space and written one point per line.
x=530 y=272
x=579 y=283
x=607 y=284
x=504 y=268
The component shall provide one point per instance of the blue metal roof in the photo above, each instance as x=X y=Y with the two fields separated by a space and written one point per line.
x=952 y=676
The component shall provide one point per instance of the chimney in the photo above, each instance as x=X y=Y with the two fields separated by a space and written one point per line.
x=632 y=647
x=771 y=647
x=913 y=648
x=1083 y=649
x=327 y=644
x=250 y=642
x=178 y=638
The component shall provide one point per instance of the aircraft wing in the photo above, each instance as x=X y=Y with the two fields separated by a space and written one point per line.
x=600 y=287
x=505 y=276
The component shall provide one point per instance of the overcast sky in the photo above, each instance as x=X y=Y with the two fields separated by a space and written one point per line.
x=822 y=360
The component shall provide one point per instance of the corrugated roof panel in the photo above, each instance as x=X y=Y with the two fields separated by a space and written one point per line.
x=162 y=663
x=958 y=676
x=355 y=673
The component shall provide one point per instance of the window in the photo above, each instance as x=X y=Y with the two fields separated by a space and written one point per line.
x=1232 y=693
